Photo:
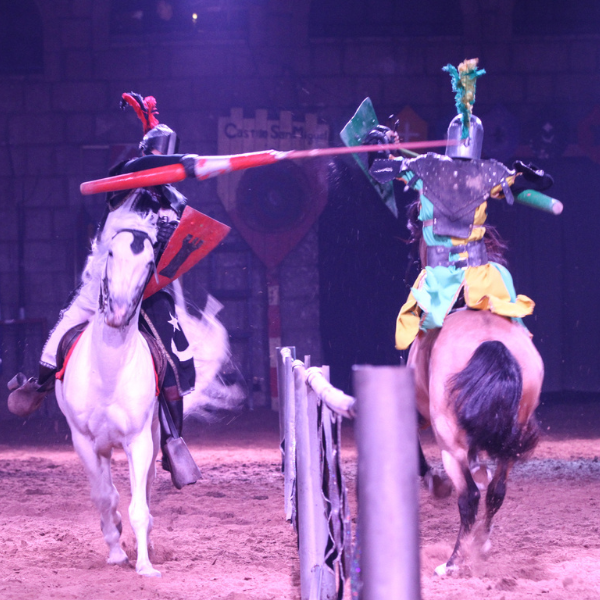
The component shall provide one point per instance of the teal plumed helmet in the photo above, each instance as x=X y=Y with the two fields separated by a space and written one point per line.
x=469 y=147
x=465 y=132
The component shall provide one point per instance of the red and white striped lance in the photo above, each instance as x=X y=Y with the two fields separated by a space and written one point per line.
x=212 y=166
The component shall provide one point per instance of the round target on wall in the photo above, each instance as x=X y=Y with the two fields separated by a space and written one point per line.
x=274 y=207
x=273 y=199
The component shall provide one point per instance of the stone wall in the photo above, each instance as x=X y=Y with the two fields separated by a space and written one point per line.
x=57 y=129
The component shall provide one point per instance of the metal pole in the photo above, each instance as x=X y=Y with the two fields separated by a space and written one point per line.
x=312 y=525
x=386 y=436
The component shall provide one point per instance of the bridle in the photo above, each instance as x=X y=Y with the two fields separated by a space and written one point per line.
x=137 y=246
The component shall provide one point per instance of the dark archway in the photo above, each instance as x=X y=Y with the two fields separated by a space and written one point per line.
x=363 y=262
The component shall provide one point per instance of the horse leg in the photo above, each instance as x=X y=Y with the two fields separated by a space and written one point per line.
x=152 y=470
x=111 y=522
x=468 y=503
x=152 y=476
x=140 y=454
x=493 y=500
x=437 y=484
x=104 y=495
x=424 y=467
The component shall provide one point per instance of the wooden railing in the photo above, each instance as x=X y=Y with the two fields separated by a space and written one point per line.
x=383 y=561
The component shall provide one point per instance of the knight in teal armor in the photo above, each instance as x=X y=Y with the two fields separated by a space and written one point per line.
x=453 y=194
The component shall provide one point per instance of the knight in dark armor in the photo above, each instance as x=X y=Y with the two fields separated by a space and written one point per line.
x=453 y=194
x=163 y=206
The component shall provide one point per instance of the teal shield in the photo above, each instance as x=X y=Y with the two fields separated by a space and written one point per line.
x=354 y=132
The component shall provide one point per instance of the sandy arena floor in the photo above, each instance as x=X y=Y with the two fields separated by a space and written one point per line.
x=225 y=537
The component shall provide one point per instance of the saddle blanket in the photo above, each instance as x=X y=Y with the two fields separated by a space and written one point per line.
x=70 y=339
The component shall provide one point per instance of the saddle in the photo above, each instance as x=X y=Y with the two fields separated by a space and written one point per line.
x=70 y=339
x=66 y=346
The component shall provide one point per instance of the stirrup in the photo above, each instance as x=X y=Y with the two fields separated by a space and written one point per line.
x=184 y=470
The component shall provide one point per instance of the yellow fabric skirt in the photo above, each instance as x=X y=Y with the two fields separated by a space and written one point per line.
x=484 y=289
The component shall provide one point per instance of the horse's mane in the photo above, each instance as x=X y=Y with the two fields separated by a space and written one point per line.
x=209 y=343
x=494 y=244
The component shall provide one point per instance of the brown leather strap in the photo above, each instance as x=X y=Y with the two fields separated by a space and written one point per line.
x=158 y=357
x=439 y=256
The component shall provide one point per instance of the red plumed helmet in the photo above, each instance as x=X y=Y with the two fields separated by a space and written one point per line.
x=157 y=137
x=145 y=109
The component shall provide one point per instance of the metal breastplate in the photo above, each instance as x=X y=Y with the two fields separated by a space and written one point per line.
x=456 y=188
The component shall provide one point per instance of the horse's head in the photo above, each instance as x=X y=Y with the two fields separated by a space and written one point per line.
x=128 y=266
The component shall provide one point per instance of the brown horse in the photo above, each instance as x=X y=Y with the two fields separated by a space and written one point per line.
x=478 y=381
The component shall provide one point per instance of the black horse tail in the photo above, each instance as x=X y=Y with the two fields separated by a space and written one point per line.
x=487 y=393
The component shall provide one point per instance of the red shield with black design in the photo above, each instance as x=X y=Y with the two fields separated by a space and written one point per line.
x=195 y=236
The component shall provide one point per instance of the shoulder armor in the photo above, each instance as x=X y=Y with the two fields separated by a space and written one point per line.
x=456 y=187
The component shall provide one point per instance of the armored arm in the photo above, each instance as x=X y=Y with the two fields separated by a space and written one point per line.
x=383 y=167
x=530 y=177
x=378 y=136
x=153 y=161
x=165 y=229
x=527 y=186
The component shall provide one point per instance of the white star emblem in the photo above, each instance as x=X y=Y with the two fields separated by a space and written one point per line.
x=173 y=321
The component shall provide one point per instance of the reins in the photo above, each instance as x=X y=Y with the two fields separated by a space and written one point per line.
x=139 y=237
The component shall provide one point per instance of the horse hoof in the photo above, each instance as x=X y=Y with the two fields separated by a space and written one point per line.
x=442 y=487
x=149 y=572
x=118 y=557
x=437 y=485
x=445 y=569
x=486 y=548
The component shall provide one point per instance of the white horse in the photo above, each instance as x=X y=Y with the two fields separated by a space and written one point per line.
x=109 y=394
